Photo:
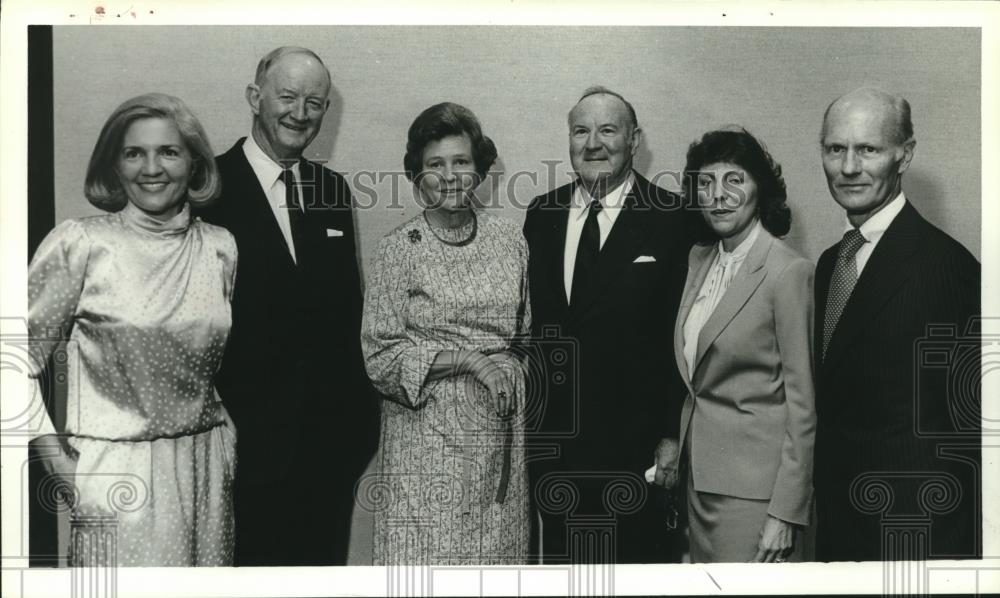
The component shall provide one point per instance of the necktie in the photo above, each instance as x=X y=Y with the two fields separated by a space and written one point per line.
x=845 y=276
x=296 y=217
x=587 y=251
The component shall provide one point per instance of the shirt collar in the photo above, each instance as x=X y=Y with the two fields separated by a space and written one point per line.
x=612 y=202
x=873 y=228
x=266 y=169
x=741 y=250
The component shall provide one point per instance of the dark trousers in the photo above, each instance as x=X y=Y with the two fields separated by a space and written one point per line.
x=296 y=476
x=300 y=519
x=933 y=513
x=300 y=514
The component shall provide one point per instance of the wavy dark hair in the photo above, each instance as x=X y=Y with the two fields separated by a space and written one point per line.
x=444 y=120
x=736 y=145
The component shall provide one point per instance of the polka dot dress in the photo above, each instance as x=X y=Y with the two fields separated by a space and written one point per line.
x=146 y=307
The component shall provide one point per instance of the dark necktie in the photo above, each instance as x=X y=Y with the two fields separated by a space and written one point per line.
x=845 y=276
x=587 y=251
x=296 y=217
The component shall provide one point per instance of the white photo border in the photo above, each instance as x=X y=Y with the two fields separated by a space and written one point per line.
x=18 y=580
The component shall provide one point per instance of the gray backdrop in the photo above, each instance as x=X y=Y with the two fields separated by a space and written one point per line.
x=521 y=81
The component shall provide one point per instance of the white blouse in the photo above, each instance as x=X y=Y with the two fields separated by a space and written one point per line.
x=720 y=276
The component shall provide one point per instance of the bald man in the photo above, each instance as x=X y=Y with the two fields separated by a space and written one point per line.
x=897 y=444
x=293 y=378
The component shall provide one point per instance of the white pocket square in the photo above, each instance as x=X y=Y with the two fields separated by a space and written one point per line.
x=644 y=259
x=332 y=232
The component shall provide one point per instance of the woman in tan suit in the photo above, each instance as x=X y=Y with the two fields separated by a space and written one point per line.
x=743 y=343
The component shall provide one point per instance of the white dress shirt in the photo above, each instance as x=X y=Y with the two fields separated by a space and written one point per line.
x=720 y=275
x=873 y=229
x=269 y=175
x=612 y=204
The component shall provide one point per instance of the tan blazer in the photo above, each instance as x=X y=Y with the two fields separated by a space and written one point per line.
x=749 y=412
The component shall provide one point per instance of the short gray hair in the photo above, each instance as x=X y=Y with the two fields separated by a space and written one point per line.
x=600 y=89
x=278 y=53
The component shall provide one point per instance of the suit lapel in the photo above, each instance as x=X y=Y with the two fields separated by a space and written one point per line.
x=886 y=270
x=311 y=194
x=699 y=262
x=824 y=272
x=746 y=281
x=619 y=249
x=556 y=215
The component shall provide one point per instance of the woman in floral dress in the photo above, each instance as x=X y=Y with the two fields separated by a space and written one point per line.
x=445 y=304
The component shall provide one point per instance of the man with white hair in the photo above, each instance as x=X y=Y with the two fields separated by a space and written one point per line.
x=293 y=377
x=608 y=258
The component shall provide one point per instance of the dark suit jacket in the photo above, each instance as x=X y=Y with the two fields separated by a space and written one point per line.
x=898 y=404
x=293 y=377
x=607 y=406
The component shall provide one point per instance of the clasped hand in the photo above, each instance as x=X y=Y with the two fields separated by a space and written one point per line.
x=494 y=372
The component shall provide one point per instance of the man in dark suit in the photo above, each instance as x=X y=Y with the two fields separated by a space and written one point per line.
x=293 y=376
x=897 y=398
x=608 y=257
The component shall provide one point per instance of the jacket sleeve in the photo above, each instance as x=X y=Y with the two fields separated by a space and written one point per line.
x=793 y=316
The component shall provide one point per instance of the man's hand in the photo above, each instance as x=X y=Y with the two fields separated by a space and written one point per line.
x=665 y=461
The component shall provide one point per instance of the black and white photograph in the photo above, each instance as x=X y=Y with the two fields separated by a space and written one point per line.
x=517 y=299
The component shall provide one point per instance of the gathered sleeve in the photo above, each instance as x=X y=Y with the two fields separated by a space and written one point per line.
x=397 y=361
x=230 y=261
x=56 y=277
x=793 y=316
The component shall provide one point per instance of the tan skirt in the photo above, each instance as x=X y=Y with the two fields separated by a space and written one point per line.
x=726 y=529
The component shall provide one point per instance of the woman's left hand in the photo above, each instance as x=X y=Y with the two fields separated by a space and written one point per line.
x=777 y=540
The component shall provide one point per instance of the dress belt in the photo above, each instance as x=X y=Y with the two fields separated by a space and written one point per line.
x=508 y=440
x=468 y=461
